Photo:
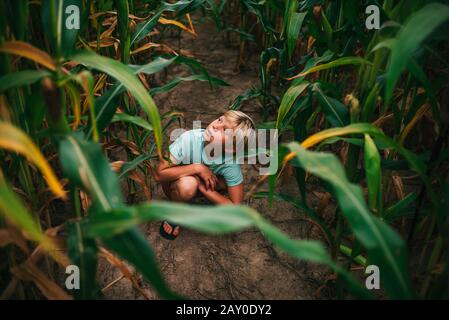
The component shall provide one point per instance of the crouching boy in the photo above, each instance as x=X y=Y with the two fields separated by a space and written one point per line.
x=197 y=168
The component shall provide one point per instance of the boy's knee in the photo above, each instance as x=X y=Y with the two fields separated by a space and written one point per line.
x=186 y=188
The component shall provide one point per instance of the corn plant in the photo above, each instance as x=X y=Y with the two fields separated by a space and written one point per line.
x=336 y=77
x=65 y=95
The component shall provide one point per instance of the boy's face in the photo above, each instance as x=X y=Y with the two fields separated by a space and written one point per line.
x=215 y=131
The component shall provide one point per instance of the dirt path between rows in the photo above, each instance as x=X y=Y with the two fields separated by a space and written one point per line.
x=242 y=265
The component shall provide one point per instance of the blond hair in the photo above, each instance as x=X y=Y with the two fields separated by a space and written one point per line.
x=243 y=123
x=244 y=130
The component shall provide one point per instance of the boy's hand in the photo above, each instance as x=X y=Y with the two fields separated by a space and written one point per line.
x=209 y=179
x=201 y=185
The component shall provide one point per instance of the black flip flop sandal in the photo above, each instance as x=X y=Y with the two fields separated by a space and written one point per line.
x=168 y=236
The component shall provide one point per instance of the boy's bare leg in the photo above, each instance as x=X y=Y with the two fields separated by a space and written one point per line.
x=181 y=190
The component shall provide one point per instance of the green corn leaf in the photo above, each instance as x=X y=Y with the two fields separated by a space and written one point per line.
x=214 y=220
x=54 y=19
x=177 y=80
x=259 y=9
x=133 y=247
x=336 y=113
x=294 y=27
x=385 y=247
x=21 y=78
x=398 y=209
x=336 y=63
x=354 y=141
x=217 y=220
x=247 y=95
x=290 y=7
x=108 y=102
x=194 y=66
x=414 y=161
x=83 y=253
x=131 y=165
x=12 y=208
x=126 y=77
x=154 y=66
x=86 y=167
x=180 y=7
x=327 y=28
x=138 y=121
x=313 y=61
x=417 y=28
x=297 y=114
x=106 y=107
x=292 y=24
x=143 y=28
x=288 y=100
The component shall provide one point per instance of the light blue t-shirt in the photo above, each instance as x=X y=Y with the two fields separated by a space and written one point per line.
x=188 y=148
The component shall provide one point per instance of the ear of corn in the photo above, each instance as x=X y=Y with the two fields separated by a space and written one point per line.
x=373 y=174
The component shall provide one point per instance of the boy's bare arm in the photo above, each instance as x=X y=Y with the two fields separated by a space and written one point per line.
x=167 y=173
x=235 y=195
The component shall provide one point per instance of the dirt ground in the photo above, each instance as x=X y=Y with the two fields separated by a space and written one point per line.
x=237 y=266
